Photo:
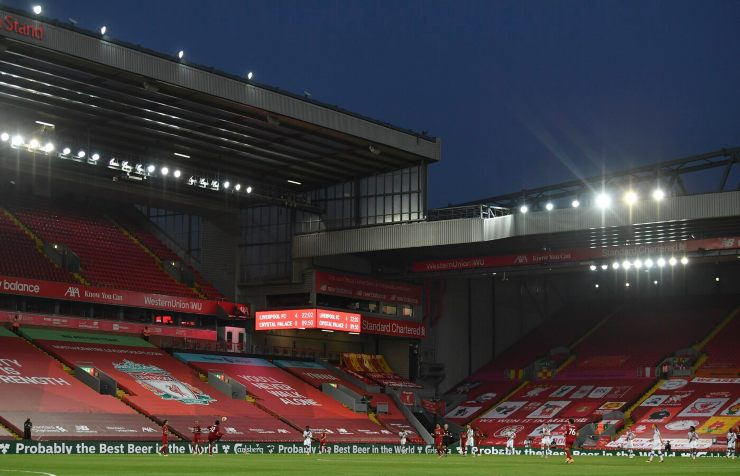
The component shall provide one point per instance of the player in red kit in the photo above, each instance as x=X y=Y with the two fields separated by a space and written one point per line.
x=322 y=442
x=570 y=439
x=196 y=437
x=214 y=434
x=439 y=434
x=164 y=451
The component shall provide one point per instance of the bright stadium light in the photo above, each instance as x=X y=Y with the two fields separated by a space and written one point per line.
x=227 y=184
x=49 y=148
x=626 y=264
x=294 y=182
x=684 y=261
x=16 y=141
x=238 y=187
x=596 y=286
x=655 y=282
x=81 y=154
x=250 y=75
x=180 y=54
x=524 y=209
x=151 y=168
x=103 y=29
x=96 y=156
x=716 y=279
x=34 y=143
x=249 y=189
x=549 y=206
x=66 y=151
x=604 y=267
x=661 y=262
x=672 y=261
x=648 y=263
x=627 y=284
x=164 y=170
x=615 y=265
x=630 y=197
x=4 y=137
x=658 y=194
x=592 y=267
x=37 y=9
x=603 y=200
x=575 y=204
x=177 y=173
x=637 y=264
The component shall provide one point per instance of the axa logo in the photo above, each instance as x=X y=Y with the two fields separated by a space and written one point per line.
x=4 y=448
x=520 y=259
x=72 y=291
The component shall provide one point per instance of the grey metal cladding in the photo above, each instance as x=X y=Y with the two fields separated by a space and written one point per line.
x=98 y=50
x=471 y=230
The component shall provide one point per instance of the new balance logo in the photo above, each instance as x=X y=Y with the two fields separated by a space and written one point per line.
x=72 y=291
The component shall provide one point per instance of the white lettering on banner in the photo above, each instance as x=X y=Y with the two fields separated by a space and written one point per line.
x=318 y=376
x=12 y=375
x=173 y=303
x=393 y=328
x=287 y=394
x=21 y=287
x=72 y=291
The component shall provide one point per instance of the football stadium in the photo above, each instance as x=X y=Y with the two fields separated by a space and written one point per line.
x=204 y=274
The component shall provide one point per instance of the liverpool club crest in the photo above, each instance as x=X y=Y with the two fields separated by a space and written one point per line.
x=161 y=383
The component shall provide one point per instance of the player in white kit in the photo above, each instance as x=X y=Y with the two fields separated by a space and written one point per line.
x=307 y=438
x=731 y=442
x=693 y=441
x=630 y=437
x=546 y=441
x=657 y=445
x=470 y=441
x=510 y=443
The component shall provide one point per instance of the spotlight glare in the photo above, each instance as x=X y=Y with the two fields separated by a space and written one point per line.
x=180 y=54
x=630 y=197
x=294 y=182
x=596 y=286
x=96 y=156
x=164 y=170
x=648 y=263
x=103 y=29
x=549 y=206
x=16 y=140
x=575 y=204
x=49 y=148
x=716 y=279
x=592 y=267
x=237 y=187
x=603 y=201
x=34 y=144
x=227 y=184
x=684 y=261
x=661 y=262
x=37 y=9
x=150 y=168
x=604 y=267
x=4 y=137
x=672 y=261
x=627 y=284
x=655 y=282
x=637 y=264
x=177 y=174
x=66 y=151
x=626 y=264
x=524 y=209
x=250 y=75
x=658 y=194
x=249 y=189
x=81 y=154
x=615 y=265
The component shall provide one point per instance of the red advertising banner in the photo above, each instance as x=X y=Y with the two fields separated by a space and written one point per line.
x=116 y=297
x=366 y=288
x=655 y=250
x=433 y=406
x=308 y=319
x=388 y=327
x=408 y=398
x=108 y=326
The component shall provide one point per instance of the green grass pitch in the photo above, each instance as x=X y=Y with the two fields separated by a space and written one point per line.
x=360 y=465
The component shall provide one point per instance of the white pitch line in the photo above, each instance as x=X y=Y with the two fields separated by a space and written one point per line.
x=27 y=472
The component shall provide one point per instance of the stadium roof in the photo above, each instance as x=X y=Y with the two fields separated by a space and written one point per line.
x=126 y=101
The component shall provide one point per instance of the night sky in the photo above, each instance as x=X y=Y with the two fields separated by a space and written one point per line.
x=522 y=93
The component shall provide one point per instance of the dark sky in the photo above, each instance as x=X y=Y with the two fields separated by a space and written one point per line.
x=522 y=93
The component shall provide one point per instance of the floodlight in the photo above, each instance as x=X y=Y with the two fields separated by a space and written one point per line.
x=16 y=140
x=164 y=170
x=180 y=54
x=549 y=206
x=592 y=267
x=227 y=184
x=655 y=282
x=626 y=264
x=150 y=168
x=637 y=264
x=249 y=75
x=648 y=263
x=603 y=201
x=177 y=174
x=294 y=182
x=596 y=286
x=630 y=197
x=615 y=265
x=658 y=194
x=37 y=9
x=34 y=143
x=49 y=148
x=237 y=187
x=249 y=189
x=524 y=209
x=604 y=267
x=684 y=261
x=103 y=29
x=661 y=262
x=575 y=204
x=672 y=261
x=627 y=284
x=66 y=151
x=96 y=156
x=4 y=137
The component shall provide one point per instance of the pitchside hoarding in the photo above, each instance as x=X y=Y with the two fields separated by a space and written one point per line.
x=313 y=318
